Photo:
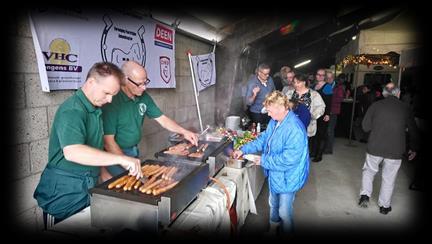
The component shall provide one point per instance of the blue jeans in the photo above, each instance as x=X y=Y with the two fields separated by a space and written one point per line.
x=115 y=170
x=281 y=209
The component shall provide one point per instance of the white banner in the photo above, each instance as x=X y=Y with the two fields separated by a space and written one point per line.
x=69 y=42
x=204 y=67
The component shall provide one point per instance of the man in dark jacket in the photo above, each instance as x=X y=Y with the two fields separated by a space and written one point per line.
x=387 y=121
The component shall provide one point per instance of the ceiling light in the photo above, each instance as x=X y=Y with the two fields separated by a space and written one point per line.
x=302 y=63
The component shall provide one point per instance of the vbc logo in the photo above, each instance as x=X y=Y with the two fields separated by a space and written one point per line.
x=59 y=58
x=59 y=52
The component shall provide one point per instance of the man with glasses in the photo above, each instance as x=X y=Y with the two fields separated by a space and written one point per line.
x=124 y=117
x=257 y=89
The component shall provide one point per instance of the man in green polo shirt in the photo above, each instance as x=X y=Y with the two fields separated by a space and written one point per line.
x=124 y=117
x=76 y=146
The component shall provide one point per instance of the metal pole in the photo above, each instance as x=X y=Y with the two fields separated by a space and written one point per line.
x=400 y=76
x=354 y=102
x=400 y=71
x=195 y=91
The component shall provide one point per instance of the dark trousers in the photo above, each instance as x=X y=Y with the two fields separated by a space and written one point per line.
x=331 y=133
x=320 y=138
x=263 y=119
x=359 y=133
x=49 y=220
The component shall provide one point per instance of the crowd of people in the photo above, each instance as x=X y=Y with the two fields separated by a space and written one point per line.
x=305 y=108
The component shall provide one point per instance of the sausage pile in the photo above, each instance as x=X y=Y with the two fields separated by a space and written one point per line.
x=158 y=179
x=182 y=149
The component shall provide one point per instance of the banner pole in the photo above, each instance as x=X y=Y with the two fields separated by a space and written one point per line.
x=195 y=90
x=214 y=46
x=39 y=58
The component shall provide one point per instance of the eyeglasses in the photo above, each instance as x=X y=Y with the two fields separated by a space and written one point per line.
x=139 y=85
x=266 y=74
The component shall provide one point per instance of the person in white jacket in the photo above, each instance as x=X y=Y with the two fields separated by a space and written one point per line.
x=308 y=97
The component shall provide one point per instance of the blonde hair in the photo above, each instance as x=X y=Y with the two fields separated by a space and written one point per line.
x=276 y=97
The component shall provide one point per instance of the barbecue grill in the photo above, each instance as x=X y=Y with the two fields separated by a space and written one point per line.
x=115 y=209
x=212 y=155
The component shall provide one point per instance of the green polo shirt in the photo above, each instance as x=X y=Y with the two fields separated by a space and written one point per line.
x=124 y=117
x=76 y=121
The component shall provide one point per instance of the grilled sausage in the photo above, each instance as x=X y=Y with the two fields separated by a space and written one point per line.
x=151 y=186
x=164 y=189
x=114 y=183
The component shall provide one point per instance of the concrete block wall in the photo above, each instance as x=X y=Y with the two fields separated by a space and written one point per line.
x=236 y=67
x=33 y=112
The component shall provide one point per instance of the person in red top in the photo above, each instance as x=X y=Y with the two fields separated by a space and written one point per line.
x=338 y=96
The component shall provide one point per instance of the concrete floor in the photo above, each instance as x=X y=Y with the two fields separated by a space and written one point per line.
x=328 y=202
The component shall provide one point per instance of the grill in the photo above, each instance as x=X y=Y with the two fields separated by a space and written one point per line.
x=213 y=155
x=116 y=209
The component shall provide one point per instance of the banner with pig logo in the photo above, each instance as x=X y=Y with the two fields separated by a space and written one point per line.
x=204 y=67
x=69 y=41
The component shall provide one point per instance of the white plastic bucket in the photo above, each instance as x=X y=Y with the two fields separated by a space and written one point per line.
x=232 y=122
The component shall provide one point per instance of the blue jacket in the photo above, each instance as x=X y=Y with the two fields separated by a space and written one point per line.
x=285 y=154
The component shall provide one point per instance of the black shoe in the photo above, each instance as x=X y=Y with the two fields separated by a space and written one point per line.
x=384 y=210
x=317 y=159
x=364 y=201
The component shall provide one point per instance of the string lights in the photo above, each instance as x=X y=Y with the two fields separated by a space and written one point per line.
x=391 y=59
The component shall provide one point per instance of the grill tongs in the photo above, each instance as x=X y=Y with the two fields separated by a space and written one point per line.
x=202 y=148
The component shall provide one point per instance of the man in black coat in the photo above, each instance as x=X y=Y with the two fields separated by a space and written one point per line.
x=387 y=121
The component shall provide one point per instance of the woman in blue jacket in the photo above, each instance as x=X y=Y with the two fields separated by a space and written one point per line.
x=284 y=157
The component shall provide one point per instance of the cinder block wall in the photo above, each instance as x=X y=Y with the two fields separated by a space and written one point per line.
x=33 y=112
